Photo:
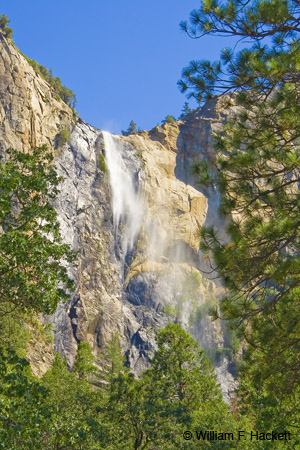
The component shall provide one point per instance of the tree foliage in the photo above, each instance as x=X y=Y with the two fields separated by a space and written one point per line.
x=171 y=396
x=31 y=249
x=168 y=119
x=24 y=418
x=84 y=365
x=62 y=92
x=257 y=173
x=62 y=138
x=130 y=130
x=5 y=30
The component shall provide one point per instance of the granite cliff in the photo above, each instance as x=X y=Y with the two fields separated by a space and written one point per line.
x=131 y=208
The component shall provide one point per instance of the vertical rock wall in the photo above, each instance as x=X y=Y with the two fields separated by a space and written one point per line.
x=130 y=289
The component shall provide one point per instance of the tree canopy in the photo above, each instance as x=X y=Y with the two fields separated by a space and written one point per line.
x=32 y=273
x=257 y=172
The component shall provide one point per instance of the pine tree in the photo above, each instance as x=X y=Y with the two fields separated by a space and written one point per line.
x=257 y=171
x=168 y=119
x=170 y=397
x=130 y=130
x=84 y=365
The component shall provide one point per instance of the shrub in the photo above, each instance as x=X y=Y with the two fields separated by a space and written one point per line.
x=61 y=138
x=102 y=164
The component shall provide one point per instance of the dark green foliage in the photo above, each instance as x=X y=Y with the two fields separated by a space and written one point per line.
x=130 y=130
x=257 y=171
x=62 y=138
x=186 y=110
x=31 y=249
x=261 y=66
x=4 y=29
x=24 y=418
x=168 y=119
x=13 y=334
x=73 y=404
x=62 y=92
x=84 y=364
x=153 y=411
x=113 y=359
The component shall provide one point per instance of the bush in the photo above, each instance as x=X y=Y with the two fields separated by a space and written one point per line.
x=61 y=138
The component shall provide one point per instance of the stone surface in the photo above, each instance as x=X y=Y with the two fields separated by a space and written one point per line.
x=30 y=114
x=163 y=277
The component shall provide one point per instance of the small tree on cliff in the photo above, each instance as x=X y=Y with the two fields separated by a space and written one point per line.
x=130 y=130
x=168 y=119
x=5 y=30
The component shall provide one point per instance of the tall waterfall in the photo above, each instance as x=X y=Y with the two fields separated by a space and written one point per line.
x=128 y=209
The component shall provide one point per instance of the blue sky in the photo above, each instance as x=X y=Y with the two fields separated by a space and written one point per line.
x=121 y=58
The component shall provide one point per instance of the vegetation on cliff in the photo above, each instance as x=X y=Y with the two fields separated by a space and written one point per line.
x=130 y=130
x=5 y=30
x=62 y=92
x=257 y=171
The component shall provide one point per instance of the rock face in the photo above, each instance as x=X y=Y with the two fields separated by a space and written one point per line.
x=30 y=113
x=139 y=266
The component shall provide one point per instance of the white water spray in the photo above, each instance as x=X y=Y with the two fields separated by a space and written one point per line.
x=128 y=209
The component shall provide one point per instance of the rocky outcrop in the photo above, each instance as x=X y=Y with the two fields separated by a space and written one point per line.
x=30 y=112
x=157 y=275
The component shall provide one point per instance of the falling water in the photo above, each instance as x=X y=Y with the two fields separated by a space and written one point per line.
x=127 y=204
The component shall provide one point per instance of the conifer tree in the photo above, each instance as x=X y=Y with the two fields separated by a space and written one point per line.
x=84 y=365
x=168 y=398
x=257 y=171
x=130 y=130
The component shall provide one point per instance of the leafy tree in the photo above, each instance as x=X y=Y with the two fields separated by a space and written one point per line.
x=130 y=130
x=257 y=173
x=31 y=249
x=13 y=334
x=5 y=30
x=73 y=405
x=24 y=418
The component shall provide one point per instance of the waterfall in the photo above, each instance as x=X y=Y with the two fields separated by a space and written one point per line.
x=128 y=208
